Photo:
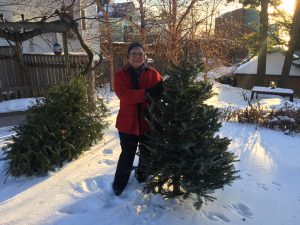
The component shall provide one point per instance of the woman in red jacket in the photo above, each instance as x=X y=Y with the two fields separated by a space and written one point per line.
x=133 y=83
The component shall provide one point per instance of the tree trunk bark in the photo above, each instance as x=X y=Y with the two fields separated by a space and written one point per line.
x=23 y=69
x=66 y=53
x=91 y=90
x=111 y=75
x=262 y=54
x=291 y=47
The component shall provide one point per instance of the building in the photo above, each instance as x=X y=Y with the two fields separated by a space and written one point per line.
x=34 y=10
x=122 y=17
x=246 y=73
x=234 y=25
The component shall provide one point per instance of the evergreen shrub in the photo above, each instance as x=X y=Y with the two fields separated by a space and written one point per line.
x=60 y=127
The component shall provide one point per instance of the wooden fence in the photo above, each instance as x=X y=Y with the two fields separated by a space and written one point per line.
x=42 y=71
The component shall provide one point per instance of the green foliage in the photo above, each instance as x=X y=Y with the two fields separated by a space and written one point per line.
x=59 y=129
x=187 y=157
x=252 y=40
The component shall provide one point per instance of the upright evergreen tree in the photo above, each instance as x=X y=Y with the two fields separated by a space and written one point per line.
x=186 y=155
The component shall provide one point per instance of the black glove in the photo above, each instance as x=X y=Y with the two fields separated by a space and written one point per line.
x=155 y=90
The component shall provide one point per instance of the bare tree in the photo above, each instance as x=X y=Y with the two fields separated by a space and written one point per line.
x=175 y=22
x=106 y=40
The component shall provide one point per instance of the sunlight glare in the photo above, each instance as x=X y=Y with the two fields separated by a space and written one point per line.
x=288 y=5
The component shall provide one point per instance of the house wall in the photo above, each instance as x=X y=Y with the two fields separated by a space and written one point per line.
x=91 y=33
x=122 y=17
x=31 y=9
x=233 y=26
x=44 y=43
x=248 y=81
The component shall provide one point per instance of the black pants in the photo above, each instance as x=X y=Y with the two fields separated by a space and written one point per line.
x=129 y=144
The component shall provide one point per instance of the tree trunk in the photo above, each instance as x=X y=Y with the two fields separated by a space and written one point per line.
x=262 y=54
x=23 y=69
x=91 y=90
x=176 y=186
x=66 y=53
x=291 y=47
x=111 y=74
x=143 y=22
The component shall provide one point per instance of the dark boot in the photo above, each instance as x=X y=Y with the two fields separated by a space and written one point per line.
x=140 y=177
x=116 y=190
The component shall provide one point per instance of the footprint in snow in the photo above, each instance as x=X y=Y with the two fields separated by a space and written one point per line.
x=214 y=216
x=107 y=162
x=101 y=183
x=242 y=210
x=84 y=205
x=95 y=193
x=86 y=186
x=275 y=183
x=107 y=151
x=263 y=186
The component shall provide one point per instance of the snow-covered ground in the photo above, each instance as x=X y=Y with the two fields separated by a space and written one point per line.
x=80 y=192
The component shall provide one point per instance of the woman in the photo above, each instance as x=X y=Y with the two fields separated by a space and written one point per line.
x=133 y=83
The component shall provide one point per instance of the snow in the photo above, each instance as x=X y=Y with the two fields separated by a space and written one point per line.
x=218 y=72
x=80 y=192
x=16 y=105
x=274 y=66
x=3 y=42
x=273 y=90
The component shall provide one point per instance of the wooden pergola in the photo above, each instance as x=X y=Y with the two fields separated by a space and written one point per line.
x=19 y=32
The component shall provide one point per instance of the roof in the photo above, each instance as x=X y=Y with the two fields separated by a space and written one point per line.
x=250 y=15
x=274 y=65
x=3 y=42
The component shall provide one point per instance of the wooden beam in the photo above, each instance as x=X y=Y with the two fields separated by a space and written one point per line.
x=45 y=27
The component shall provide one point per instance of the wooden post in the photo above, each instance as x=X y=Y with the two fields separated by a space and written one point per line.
x=23 y=68
x=91 y=89
x=66 y=53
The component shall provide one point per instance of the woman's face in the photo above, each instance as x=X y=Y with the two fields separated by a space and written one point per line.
x=136 y=57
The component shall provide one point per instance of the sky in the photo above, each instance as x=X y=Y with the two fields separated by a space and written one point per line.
x=288 y=5
x=80 y=192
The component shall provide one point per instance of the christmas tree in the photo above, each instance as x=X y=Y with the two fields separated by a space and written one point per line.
x=187 y=157
x=60 y=127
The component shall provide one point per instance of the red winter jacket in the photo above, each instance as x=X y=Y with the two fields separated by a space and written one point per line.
x=127 y=119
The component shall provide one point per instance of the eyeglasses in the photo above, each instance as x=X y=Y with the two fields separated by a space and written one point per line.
x=135 y=54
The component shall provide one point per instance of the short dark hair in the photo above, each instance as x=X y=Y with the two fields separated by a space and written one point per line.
x=134 y=45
